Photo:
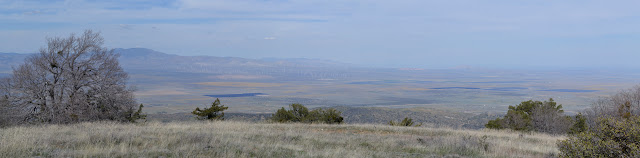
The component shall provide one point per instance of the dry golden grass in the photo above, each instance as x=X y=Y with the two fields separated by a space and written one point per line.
x=242 y=139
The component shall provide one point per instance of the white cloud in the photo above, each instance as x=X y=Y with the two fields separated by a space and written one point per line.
x=231 y=26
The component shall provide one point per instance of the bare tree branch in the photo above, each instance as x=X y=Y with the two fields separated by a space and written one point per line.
x=73 y=79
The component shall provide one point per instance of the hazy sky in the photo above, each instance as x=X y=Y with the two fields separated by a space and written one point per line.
x=392 y=33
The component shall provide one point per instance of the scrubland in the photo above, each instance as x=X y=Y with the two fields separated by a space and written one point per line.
x=245 y=139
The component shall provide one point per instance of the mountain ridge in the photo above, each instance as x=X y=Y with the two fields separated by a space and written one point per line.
x=136 y=60
x=128 y=53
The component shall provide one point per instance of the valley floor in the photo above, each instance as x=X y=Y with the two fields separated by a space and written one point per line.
x=243 y=139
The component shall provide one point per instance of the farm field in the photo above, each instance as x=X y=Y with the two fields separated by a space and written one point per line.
x=470 y=92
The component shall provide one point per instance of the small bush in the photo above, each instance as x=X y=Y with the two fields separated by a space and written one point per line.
x=137 y=115
x=212 y=113
x=300 y=113
x=579 y=124
x=405 y=122
x=614 y=137
x=495 y=124
x=282 y=115
x=331 y=116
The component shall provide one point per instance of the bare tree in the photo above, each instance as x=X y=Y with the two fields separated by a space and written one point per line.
x=72 y=79
x=611 y=106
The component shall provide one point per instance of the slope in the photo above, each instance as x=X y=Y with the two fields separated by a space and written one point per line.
x=241 y=139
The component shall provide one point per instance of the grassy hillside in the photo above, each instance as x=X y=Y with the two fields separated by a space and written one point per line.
x=242 y=139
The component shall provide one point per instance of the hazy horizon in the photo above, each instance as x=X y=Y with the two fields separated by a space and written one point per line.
x=415 y=34
x=468 y=67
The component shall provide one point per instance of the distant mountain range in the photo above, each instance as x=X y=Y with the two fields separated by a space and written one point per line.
x=7 y=60
x=140 y=60
x=133 y=55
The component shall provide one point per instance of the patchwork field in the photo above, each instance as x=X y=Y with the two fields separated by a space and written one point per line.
x=473 y=92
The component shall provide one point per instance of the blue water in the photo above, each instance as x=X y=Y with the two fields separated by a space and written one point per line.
x=235 y=95
x=455 y=88
x=490 y=89
x=569 y=90
x=501 y=82
x=388 y=82
x=374 y=82
x=506 y=88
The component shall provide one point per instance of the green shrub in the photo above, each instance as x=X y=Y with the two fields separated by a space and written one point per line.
x=614 y=137
x=300 y=113
x=212 y=113
x=330 y=116
x=579 y=124
x=540 y=116
x=405 y=122
x=495 y=124
x=135 y=116
x=282 y=115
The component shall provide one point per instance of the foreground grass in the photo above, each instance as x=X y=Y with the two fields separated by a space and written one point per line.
x=242 y=139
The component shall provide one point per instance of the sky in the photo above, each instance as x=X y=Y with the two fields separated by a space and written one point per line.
x=402 y=33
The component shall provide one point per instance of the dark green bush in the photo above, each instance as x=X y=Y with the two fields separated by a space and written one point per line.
x=137 y=115
x=300 y=113
x=405 y=122
x=614 y=137
x=579 y=124
x=282 y=115
x=540 y=116
x=495 y=124
x=212 y=113
x=331 y=116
